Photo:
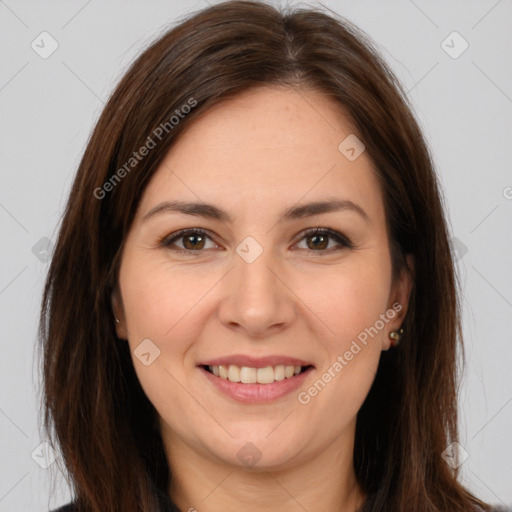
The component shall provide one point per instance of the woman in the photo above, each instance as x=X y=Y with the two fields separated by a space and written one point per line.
x=204 y=353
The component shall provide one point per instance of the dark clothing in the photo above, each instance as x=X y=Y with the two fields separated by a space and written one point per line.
x=169 y=507
x=166 y=505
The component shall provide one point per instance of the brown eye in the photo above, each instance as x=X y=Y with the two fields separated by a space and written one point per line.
x=192 y=240
x=317 y=240
x=195 y=240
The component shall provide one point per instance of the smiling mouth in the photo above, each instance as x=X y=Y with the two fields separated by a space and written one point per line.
x=250 y=375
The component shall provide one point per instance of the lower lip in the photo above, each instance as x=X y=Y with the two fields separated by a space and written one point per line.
x=257 y=393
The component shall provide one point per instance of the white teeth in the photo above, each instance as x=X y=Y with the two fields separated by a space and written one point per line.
x=223 y=371
x=265 y=375
x=279 y=372
x=233 y=373
x=248 y=375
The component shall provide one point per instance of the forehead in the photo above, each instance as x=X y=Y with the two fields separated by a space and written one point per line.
x=270 y=146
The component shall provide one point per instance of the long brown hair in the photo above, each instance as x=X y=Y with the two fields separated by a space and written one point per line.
x=95 y=411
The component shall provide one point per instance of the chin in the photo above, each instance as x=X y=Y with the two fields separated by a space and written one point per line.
x=257 y=450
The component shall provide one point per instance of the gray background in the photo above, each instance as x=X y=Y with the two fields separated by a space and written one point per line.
x=49 y=106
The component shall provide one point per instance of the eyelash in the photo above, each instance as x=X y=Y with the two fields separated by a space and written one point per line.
x=342 y=240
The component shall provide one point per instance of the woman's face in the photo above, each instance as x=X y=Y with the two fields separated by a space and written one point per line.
x=253 y=292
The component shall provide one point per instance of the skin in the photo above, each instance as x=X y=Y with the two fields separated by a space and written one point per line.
x=255 y=155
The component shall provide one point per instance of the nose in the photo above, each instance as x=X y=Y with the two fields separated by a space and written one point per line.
x=256 y=299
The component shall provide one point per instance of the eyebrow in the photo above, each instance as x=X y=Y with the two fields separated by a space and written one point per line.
x=211 y=211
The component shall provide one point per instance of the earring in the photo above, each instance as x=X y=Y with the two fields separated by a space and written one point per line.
x=395 y=337
x=117 y=319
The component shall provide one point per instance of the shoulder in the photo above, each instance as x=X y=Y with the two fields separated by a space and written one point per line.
x=70 y=507
x=498 y=508
x=167 y=506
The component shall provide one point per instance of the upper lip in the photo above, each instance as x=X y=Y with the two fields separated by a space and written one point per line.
x=255 y=362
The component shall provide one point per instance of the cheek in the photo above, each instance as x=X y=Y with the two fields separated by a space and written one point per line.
x=352 y=308
x=157 y=296
x=349 y=299
x=157 y=301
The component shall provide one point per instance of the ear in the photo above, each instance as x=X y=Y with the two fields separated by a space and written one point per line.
x=118 y=312
x=399 y=299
